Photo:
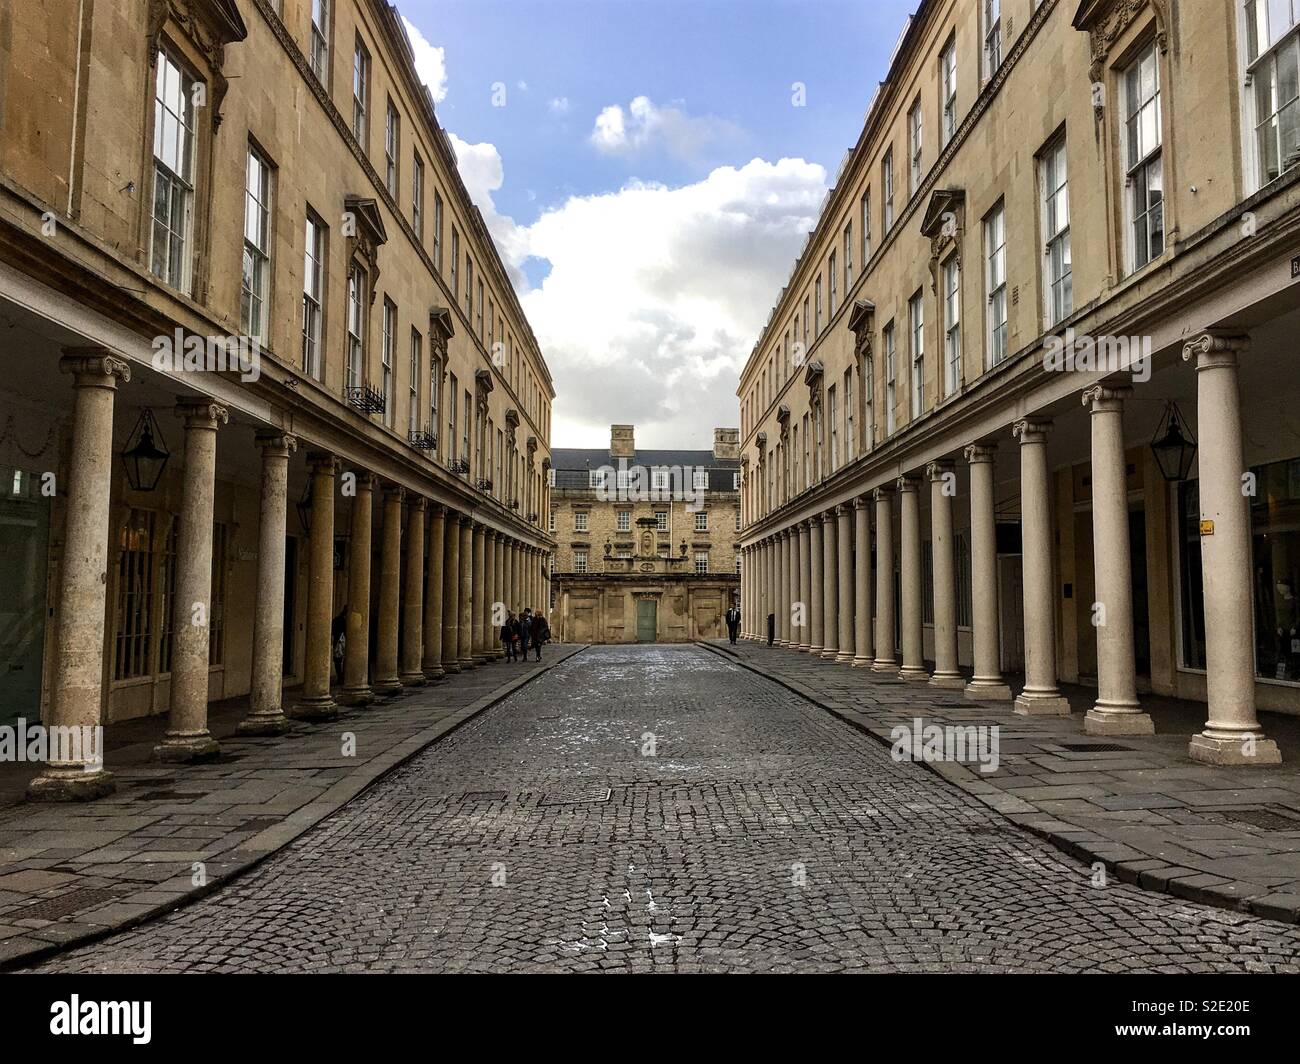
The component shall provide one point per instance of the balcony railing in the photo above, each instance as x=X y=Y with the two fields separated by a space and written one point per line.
x=484 y=484
x=367 y=398
x=459 y=466
x=423 y=439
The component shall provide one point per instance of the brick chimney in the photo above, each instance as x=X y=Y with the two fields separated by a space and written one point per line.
x=622 y=441
x=726 y=443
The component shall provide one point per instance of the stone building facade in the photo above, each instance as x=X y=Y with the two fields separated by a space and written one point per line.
x=265 y=373
x=1027 y=403
x=646 y=540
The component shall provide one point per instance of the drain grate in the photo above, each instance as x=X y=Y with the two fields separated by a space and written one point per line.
x=1093 y=748
x=66 y=904
x=1262 y=817
x=575 y=796
x=483 y=796
x=167 y=796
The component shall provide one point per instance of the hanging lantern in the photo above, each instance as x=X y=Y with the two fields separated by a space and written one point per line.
x=146 y=454
x=1173 y=446
x=304 y=508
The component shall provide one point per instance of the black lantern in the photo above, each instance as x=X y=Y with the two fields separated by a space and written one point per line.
x=304 y=508
x=146 y=454
x=1173 y=446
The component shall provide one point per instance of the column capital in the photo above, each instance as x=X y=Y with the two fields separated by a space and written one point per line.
x=882 y=493
x=907 y=483
x=394 y=491
x=975 y=453
x=465 y=520
x=276 y=444
x=861 y=502
x=94 y=367
x=417 y=503
x=366 y=480
x=1031 y=430
x=827 y=517
x=1213 y=348
x=436 y=509
x=1106 y=398
x=323 y=462
x=939 y=469
x=202 y=414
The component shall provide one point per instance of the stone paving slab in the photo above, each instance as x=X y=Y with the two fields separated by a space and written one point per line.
x=1149 y=813
x=74 y=873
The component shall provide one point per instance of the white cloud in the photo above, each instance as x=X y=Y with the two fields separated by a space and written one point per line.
x=430 y=62
x=645 y=125
x=481 y=169
x=559 y=105
x=656 y=295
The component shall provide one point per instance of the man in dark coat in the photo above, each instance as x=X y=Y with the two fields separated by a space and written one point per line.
x=733 y=623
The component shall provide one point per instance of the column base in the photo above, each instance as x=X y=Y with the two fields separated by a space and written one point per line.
x=844 y=657
x=357 y=696
x=863 y=663
x=1110 y=720
x=1047 y=704
x=451 y=667
x=412 y=679
x=388 y=688
x=466 y=664
x=987 y=691
x=315 y=709
x=953 y=680
x=187 y=749
x=914 y=674
x=829 y=653
x=816 y=650
x=885 y=665
x=435 y=674
x=70 y=785
x=1213 y=750
x=263 y=724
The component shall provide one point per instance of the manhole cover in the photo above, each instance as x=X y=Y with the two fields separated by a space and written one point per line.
x=575 y=796
x=1093 y=748
x=1264 y=819
x=66 y=904
x=483 y=796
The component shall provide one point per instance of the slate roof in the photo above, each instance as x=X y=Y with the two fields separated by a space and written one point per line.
x=571 y=464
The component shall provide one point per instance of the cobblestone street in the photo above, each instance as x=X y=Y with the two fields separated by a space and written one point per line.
x=759 y=833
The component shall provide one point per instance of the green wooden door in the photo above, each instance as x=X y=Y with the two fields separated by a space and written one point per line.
x=647 y=616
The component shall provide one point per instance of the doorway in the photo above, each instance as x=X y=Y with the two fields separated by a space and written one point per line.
x=647 y=620
x=24 y=533
x=290 y=597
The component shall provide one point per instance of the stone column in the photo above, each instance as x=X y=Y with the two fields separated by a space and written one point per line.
x=266 y=684
x=491 y=593
x=817 y=567
x=864 y=641
x=465 y=630
x=1040 y=696
x=1232 y=734
x=1116 y=711
x=884 y=660
x=830 y=587
x=76 y=694
x=804 y=605
x=433 y=598
x=451 y=579
x=356 y=652
x=500 y=607
x=909 y=520
x=986 y=683
x=844 y=566
x=316 y=703
x=412 y=671
x=479 y=595
x=783 y=588
x=390 y=584
x=943 y=562
x=187 y=738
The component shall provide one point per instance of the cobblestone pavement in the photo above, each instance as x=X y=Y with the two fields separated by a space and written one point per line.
x=763 y=834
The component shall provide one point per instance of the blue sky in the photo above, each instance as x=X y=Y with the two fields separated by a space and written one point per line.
x=649 y=178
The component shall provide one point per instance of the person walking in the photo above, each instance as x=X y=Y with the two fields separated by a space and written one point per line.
x=541 y=633
x=525 y=631
x=508 y=636
x=733 y=623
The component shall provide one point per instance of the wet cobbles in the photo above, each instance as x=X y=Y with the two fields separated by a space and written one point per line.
x=658 y=808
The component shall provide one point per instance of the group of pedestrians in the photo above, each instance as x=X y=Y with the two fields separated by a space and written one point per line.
x=521 y=631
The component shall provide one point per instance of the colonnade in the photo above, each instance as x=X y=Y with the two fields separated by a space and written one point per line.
x=440 y=616
x=813 y=576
